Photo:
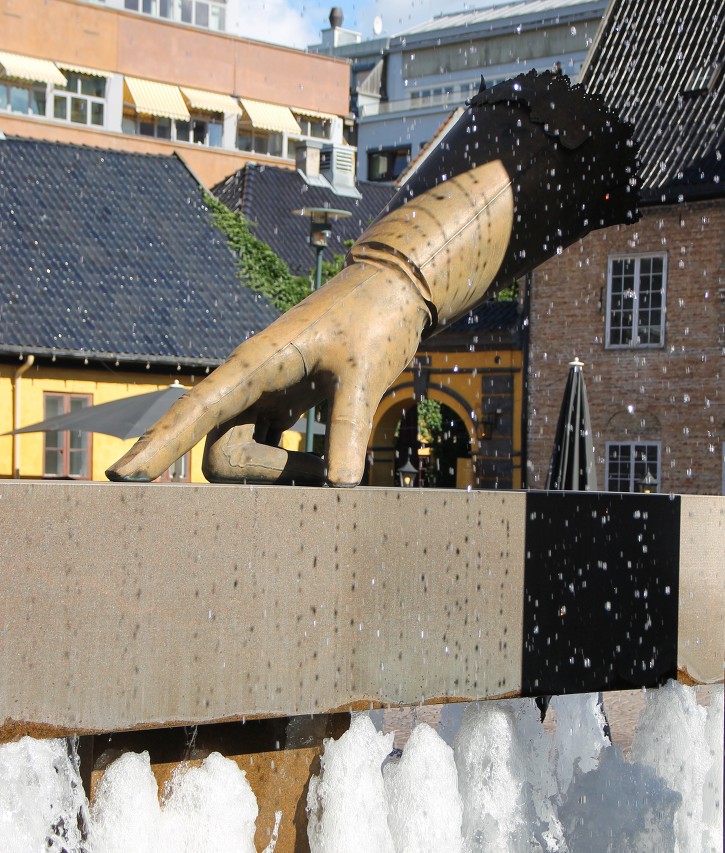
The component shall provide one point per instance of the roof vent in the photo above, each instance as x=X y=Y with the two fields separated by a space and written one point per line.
x=337 y=164
x=336 y=17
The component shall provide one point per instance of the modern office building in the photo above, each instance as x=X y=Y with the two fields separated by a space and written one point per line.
x=404 y=87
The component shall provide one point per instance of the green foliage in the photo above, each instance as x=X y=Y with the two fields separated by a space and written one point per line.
x=259 y=268
x=510 y=293
x=430 y=421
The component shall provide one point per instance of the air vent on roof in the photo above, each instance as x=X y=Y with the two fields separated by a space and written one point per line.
x=337 y=164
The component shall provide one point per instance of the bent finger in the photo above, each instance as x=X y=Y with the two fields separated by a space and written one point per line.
x=259 y=366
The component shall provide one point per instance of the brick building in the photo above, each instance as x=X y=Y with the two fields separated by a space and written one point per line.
x=643 y=306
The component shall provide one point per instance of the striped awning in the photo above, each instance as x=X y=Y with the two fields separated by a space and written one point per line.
x=83 y=69
x=313 y=114
x=28 y=68
x=213 y=102
x=270 y=116
x=157 y=99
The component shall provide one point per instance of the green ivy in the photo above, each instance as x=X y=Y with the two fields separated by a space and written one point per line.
x=258 y=267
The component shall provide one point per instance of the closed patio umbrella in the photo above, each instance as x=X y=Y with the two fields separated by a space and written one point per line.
x=572 y=461
x=571 y=467
x=126 y=418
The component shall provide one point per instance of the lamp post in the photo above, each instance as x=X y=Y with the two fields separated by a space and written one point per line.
x=321 y=219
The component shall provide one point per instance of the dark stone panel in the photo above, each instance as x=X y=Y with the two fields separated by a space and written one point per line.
x=600 y=591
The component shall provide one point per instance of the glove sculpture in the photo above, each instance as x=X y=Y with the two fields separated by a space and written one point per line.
x=531 y=166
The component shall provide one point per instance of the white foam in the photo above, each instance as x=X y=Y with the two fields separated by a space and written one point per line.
x=579 y=737
x=209 y=809
x=670 y=738
x=491 y=773
x=41 y=797
x=424 y=808
x=346 y=803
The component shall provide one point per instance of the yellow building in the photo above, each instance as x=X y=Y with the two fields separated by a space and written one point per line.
x=115 y=282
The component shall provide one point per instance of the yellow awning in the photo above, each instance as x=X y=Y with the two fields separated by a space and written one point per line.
x=313 y=114
x=157 y=99
x=83 y=69
x=270 y=116
x=212 y=102
x=27 y=68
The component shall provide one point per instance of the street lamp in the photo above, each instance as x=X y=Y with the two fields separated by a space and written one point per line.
x=407 y=474
x=321 y=219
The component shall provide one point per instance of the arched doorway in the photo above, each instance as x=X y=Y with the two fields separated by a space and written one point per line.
x=436 y=435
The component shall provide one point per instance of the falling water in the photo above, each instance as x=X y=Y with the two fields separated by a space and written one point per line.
x=503 y=783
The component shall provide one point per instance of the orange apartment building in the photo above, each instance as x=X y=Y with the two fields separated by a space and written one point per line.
x=105 y=75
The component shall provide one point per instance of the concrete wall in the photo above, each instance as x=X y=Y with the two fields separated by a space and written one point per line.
x=132 y=606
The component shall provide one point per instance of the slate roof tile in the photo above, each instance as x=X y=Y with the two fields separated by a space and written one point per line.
x=113 y=254
x=266 y=195
x=661 y=65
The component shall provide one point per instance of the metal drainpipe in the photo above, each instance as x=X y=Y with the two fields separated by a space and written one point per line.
x=27 y=364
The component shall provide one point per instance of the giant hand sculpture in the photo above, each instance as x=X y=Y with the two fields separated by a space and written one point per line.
x=532 y=165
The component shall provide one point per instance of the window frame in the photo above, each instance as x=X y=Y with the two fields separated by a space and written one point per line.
x=396 y=151
x=632 y=463
x=64 y=448
x=67 y=95
x=637 y=301
x=33 y=89
x=195 y=123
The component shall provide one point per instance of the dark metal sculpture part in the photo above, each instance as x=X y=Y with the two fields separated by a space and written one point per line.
x=531 y=166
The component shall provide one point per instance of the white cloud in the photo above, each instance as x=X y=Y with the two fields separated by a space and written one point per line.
x=278 y=21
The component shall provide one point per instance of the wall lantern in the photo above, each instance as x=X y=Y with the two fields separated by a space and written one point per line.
x=407 y=474
x=487 y=424
x=647 y=484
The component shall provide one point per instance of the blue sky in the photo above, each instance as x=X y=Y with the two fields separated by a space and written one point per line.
x=297 y=23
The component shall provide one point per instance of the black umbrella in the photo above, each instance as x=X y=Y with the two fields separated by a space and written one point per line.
x=571 y=467
x=572 y=461
x=126 y=418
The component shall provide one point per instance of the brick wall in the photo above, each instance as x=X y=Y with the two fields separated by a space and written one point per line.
x=673 y=394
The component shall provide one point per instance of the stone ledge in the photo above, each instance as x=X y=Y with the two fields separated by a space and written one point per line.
x=144 y=606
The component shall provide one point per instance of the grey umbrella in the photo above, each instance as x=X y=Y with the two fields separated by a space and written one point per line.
x=126 y=418
x=572 y=461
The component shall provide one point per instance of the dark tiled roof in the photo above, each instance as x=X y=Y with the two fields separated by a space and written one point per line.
x=267 y=195
x=660 y=64
x=113 y=254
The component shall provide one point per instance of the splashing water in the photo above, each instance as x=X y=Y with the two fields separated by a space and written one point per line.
x=506 y=785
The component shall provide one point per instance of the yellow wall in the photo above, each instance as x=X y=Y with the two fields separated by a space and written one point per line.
x=460 y=376
x=104 y=387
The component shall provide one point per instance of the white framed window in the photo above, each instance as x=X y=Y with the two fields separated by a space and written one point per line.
x=636 y=286
x=259 y=141
x=27 y=99
x=199 y=130
x=209 y=14
x=82 y=100
x=633 y=466
x=66 y=453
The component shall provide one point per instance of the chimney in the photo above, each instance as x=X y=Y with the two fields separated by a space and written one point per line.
x=307 y=156
x=336 y=17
